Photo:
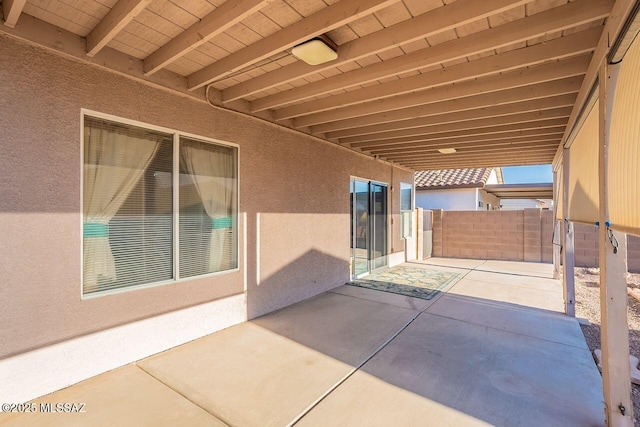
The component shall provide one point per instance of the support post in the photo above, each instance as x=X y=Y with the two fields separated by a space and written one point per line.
x=616 y=377
x=568 y=257
x=556 y=230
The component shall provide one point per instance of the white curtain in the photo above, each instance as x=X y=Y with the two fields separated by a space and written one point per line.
x=113 y=165
x=212 y=172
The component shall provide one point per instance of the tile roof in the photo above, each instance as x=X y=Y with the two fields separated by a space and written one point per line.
x=454 y=178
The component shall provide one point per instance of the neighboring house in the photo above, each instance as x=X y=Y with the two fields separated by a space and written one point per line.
x=519 y=204
x=457 y=189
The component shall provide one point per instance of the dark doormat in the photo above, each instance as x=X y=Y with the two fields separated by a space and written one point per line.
x=408 y=281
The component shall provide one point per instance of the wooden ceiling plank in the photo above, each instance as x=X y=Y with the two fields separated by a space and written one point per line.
x=493 y=130
x=576 y=44
x=515 y=147
x=497 y=151
x=441 y=19
x=324 y=20
x=505 y=112
x=555 y=19
x=471 y=163
x=11 y=10
x=537 y=159
x=524 y=120
x=120 y=15
x=518 y=143
x=613 y=27
x=536 y=91
x=464 y=141
x=528 y=76
x=219 y=20
x=465 y=164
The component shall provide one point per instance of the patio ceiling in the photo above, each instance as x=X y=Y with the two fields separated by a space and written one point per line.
x=495 y=79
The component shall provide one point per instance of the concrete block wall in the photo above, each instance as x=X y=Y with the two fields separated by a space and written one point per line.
x=586 y=245
x=633 y=253
x=547 y=236
x=437 y=232
x=482 y=234
x=524 y=235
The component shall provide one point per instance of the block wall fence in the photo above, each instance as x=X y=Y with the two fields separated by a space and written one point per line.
x=525 y=235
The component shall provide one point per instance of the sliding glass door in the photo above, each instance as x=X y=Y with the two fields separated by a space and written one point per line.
x=368 y=227
x=378 y=250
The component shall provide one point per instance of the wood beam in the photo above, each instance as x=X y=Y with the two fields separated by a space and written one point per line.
x=615 y=23
x=573 y=45
x=512 y=79
x=489 y=132
x=118 y=17
x=11 y=10
x=420 y=146
x=472 y=117
x=325 y=20
x=536 y=119
x=445 y=18
x=62 y=42
x=221 y=19
x=556 y=19
x=475 y=156
x=477 y=161
x=534 y=91
x=478 y=157
x=471 y=164
x=616 y=377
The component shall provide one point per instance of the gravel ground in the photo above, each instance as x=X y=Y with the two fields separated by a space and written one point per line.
x=588 y=307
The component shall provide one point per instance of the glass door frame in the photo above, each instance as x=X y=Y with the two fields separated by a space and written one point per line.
x=369 y=234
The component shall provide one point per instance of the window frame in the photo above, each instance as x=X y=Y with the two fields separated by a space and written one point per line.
x=412 y=204
x=175 y=202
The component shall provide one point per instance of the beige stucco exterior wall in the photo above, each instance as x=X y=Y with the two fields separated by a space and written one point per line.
x=294 y=202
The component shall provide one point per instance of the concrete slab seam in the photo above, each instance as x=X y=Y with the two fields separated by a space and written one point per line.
x=218 y=417
x=507 y=331
x=437 y=298
x=353 y=371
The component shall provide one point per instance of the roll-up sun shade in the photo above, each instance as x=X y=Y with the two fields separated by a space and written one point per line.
x=559 y=195
x=624 y=146
x=583 y=171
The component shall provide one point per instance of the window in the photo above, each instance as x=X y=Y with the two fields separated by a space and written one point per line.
x=406 y=209
x=158 y=206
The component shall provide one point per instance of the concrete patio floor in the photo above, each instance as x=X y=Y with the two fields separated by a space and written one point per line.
x=493 y=349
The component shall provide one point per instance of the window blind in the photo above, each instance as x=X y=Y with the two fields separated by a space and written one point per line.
x=583 y=171
x=128 y=210
x=127 y=230
x=624 y=146
x=208 y=182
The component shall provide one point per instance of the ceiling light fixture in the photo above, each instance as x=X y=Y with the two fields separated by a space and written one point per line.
x=447 y=150
x=316 y=51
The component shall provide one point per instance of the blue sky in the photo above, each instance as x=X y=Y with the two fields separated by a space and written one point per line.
x=527 y=174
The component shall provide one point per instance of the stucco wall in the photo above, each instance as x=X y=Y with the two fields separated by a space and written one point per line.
x=294 y=202
x=457 y=199
x=487 y=198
